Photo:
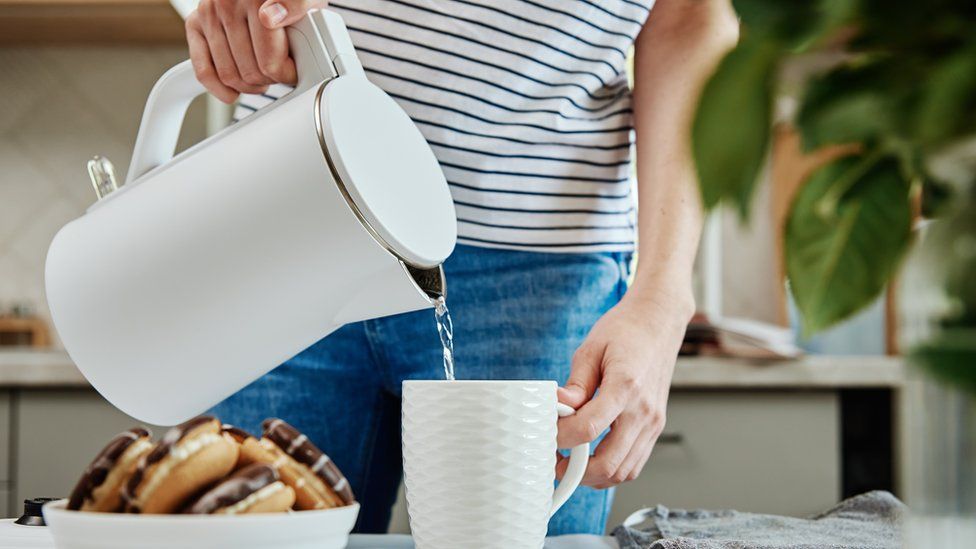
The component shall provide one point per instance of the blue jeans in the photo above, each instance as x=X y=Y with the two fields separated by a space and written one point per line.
x=517 y=315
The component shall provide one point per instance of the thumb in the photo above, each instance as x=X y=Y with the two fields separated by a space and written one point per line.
x=275 y=14
x=584 y=376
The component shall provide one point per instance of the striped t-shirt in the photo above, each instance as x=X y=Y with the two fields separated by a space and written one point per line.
x=525 y=104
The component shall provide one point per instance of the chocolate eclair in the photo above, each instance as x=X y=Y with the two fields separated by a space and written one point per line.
x=99 y=488
x=189 y=458
x=317 y=482
x=239 y=435
x=253 y=489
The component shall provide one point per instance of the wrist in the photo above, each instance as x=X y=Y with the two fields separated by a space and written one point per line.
x=672 y=298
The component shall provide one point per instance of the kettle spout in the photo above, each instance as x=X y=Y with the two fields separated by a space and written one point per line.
x=430 y=281
x=396 y=288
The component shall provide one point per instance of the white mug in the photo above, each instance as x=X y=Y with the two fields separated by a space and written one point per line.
x=479 y=462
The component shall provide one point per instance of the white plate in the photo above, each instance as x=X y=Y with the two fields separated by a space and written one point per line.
x=325 y=529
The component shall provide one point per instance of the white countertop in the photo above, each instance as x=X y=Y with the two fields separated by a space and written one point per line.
x=34 y=368
x=26 y=368
x=34 y=537
x=807 y=372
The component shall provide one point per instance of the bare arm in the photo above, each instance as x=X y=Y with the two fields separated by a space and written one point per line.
x=630 y=353
x=675 y=54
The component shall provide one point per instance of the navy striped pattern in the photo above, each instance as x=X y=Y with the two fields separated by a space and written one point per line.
x=524 y=102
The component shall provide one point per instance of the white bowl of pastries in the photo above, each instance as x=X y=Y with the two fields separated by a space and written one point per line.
x=207 y=485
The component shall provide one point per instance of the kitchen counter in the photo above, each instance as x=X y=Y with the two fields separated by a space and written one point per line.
x=28 y=368
x=53 y=368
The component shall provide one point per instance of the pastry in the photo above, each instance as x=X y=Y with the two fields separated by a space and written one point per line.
x=317 y=482
x=100 y=486
x=236 y=433
x=239 y=436
x=253 y=489
x=189 y=458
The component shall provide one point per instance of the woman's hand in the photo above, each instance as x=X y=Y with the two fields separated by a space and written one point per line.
x=239 y=46
x=629 y=355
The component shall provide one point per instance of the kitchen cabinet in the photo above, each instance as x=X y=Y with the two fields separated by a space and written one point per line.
x=5 y=419
x=57 y=434
x=762 y=451
x=756 y=437
x=766 y=452
x=5 y=473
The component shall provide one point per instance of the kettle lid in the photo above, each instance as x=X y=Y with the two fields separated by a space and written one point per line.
x=386 y=171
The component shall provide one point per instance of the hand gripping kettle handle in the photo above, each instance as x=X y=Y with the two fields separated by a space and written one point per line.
x=320 y=46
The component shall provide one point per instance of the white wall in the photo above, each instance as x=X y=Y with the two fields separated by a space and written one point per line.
x=58 y=108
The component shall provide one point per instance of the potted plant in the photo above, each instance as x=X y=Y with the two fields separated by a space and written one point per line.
x=900 y=96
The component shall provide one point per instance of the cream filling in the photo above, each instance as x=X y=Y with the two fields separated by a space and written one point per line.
x=176 y=456
x=134 y=452
x=253 y=499
x=119 y=474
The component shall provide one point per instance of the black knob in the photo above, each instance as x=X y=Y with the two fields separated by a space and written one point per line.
x=32 y=512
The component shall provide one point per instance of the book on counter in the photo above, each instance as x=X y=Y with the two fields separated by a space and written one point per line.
x=738 y=337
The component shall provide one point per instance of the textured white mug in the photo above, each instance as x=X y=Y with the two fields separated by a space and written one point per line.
x=479 y=462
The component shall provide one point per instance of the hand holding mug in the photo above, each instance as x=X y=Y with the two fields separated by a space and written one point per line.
x=629 y=355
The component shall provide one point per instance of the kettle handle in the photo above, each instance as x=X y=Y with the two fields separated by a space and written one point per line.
x=322 y=50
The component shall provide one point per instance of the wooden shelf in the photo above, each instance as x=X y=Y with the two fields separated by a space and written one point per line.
x=89 y=22
x=31 y=329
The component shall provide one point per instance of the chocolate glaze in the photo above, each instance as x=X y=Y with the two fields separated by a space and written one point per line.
x=98 y=470
x=238 y=486
x=297 y=445
x=162 y=449
x=236 y=433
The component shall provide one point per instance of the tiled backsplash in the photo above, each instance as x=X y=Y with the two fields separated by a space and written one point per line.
x=58 y=108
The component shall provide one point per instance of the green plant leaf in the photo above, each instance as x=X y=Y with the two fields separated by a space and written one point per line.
x=847 y=231
x=914 y=28
x=850 y=104
x=792 y=23
x=950 y=357
x=732 y=125
x=947 y=109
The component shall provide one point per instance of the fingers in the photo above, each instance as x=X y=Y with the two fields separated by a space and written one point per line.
x=276 y=14
x=238 y=47
x=604 y=469
x=633 y=464
x=271 y=50
x=220 y=51
x=235 y=26
x=202 y=62
x=595 y=416
x=584 y=376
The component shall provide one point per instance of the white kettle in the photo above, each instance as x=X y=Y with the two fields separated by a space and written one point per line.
x=208 y=269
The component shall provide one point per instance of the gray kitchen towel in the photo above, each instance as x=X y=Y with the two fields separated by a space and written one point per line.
x=868 y=521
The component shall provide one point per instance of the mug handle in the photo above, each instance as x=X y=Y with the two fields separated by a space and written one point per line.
x=579 y=456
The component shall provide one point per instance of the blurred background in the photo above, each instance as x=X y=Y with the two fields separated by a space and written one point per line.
x=764 y=416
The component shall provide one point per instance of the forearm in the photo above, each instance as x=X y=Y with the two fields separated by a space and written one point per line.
x=676 y=53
